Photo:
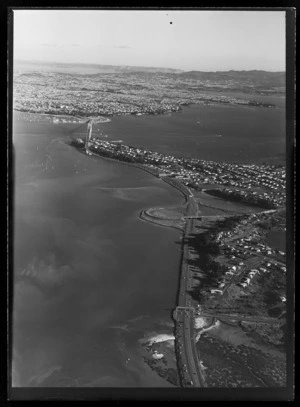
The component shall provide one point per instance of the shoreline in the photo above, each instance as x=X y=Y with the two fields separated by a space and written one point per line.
x=186 y=230
x=153 y=171
x=249 y=99
x=183 y=326
x=63 y=116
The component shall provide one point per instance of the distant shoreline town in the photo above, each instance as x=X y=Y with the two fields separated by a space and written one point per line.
x=132 y=92
x=256 y=185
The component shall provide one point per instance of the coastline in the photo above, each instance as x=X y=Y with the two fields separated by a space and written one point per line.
x=153 y=171
x=171 y=216
x=191 y=209
x=210 y=97
x=154 y=301
x=189 y=361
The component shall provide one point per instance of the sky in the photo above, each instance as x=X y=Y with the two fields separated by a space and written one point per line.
x=203 y=40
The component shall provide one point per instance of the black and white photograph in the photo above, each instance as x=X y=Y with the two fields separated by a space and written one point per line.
x=149 y=199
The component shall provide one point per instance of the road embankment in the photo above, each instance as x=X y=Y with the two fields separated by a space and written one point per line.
x=162 y=219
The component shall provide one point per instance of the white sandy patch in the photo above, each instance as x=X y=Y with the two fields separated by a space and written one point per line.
x=216 y=325
x=157 y=355
x=160 y=338
x=200 y=322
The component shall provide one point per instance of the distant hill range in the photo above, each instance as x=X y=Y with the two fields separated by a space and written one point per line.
x=257 y=78
x=260 y=80
x=96 y=68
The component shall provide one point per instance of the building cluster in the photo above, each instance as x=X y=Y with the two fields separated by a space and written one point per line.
x=247 y=256
x=261 y=185
x=110 y=95
x=255 y=184
x=264 y=199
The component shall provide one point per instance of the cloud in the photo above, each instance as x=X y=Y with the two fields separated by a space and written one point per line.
x=122 y=46
x=74 y=45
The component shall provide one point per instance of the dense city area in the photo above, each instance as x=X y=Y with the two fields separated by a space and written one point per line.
x=114 y=93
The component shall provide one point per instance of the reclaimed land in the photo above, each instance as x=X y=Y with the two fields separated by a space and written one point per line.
x=164 y=217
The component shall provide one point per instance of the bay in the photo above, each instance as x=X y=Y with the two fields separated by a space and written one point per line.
x=85 y=265
x=228 y=133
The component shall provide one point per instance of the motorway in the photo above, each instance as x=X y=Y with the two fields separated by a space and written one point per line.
x=191 y=373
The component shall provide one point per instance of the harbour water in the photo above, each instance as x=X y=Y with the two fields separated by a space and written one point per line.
x=86 y=266
x=90 y=278
x=230 y=133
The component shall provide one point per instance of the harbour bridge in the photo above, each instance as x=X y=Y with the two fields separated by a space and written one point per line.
x=87 y=122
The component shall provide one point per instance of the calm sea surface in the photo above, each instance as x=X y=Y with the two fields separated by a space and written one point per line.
x=85 y=265
x=90 y=278
x=210 y=132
